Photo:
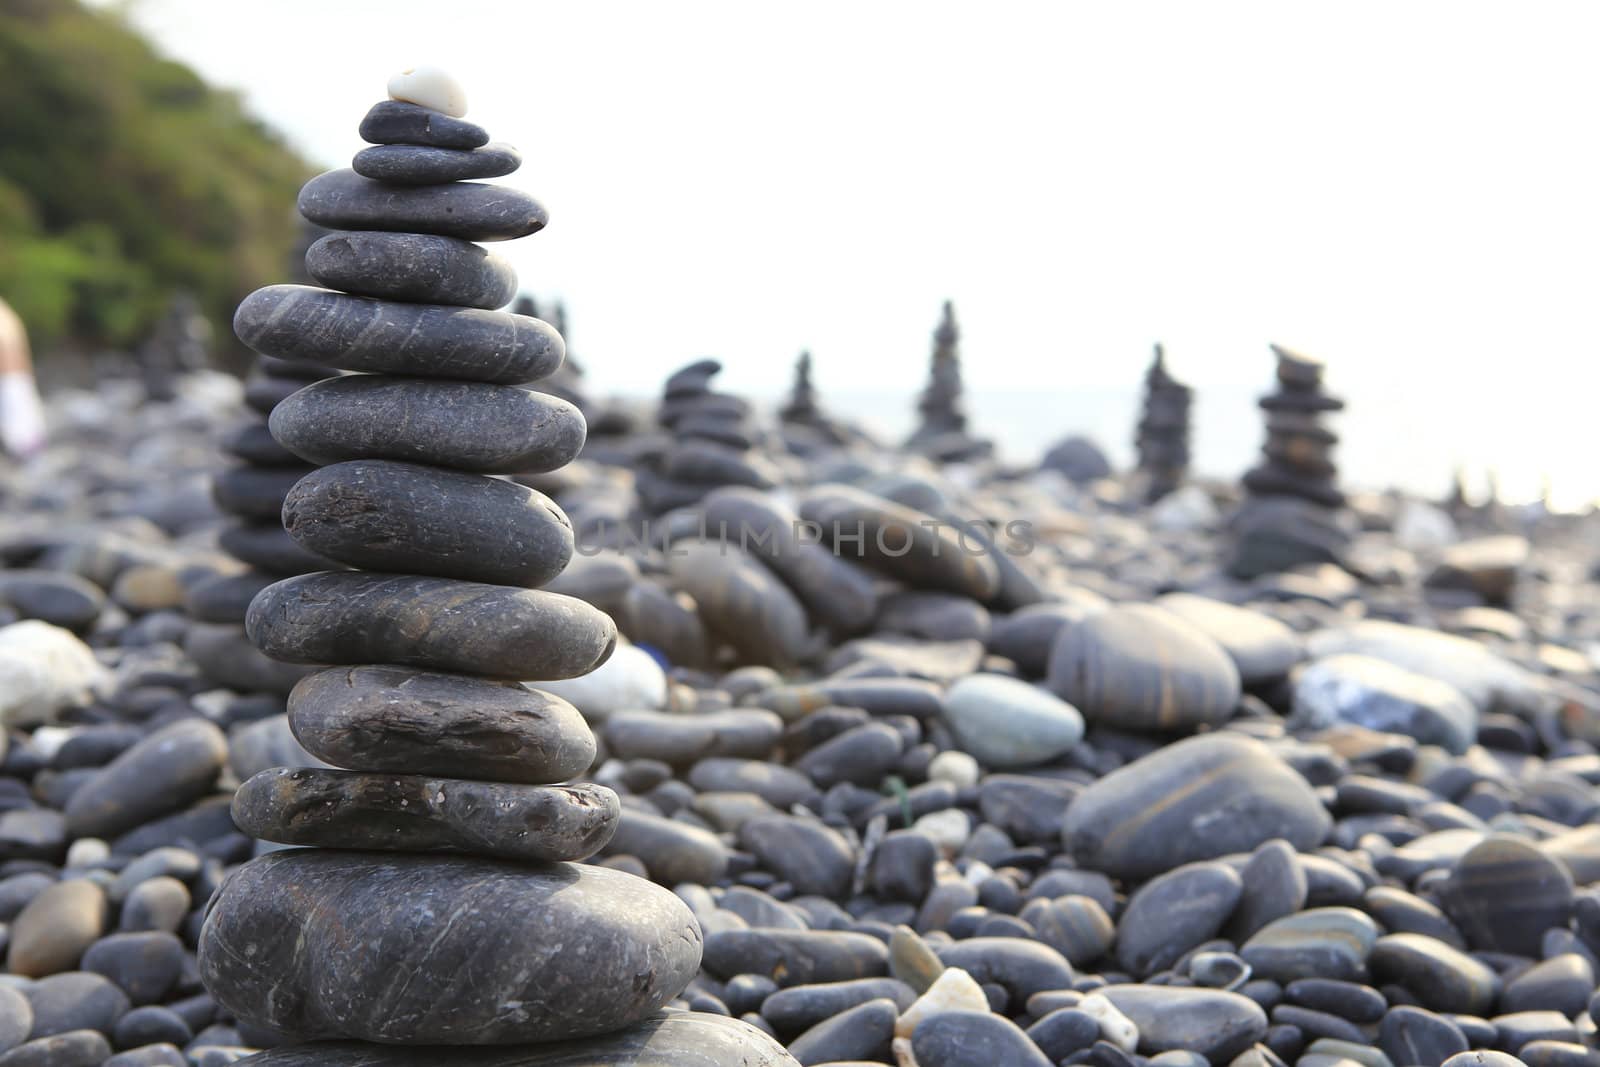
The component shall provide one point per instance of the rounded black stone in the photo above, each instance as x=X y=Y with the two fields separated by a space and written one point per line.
x=253 y=443
x=435 y=623
x=418 y=267
x=398 y=122
x=330 y=808
x=469 y=426
x=442 y=950
x=1414 y=1035
x=400 y=164
x=344 y=200
x=226 y=597
x=55 y=597
x=379 y=718
x=412 y=519
x=1139 y=667
x=304 y=323
x=255 y=492
x=267 y=546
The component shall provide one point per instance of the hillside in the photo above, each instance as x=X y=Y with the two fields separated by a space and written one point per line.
x=123 y=178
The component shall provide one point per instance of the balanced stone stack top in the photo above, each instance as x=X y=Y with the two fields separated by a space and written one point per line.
x=1162 y=442
x=942 y=418
x=806 y=427
x=438 y=904
x=1292 y=512
x=1297 y=457
x=713 y=442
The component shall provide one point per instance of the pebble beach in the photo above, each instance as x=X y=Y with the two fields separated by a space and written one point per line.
x=405 y=703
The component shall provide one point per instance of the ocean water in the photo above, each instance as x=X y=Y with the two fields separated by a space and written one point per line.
x=1387 y=440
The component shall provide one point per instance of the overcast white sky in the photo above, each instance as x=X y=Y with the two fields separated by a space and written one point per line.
x=1411 y=191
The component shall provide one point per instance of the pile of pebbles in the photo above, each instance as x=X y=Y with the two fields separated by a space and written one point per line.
x=914 y=784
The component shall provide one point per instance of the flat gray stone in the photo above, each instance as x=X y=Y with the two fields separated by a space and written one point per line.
x=428 y=165
x=350 y=617
x=468 y=426
x=331 y=808
x=344 y=200
x=415 y=267
x=311 y=325
x=382 y=718
x=411 y=519
x=1199 y=799
x=398 y=122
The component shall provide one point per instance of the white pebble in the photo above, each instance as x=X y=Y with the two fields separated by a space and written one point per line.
x=429 y=87
x=87 y=851
x=630 y=680
x=43 y=670
x=957 y=768
x=1115 y=1027
x=948 y=828
x=978 y=872
x=953 y=990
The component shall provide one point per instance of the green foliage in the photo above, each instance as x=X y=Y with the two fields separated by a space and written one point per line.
x=124 y=178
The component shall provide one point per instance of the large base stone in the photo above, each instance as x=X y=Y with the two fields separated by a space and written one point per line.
x=672 y=1039
x=432 y=950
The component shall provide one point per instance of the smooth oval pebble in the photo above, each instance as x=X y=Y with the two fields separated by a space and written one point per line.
x=381 y=718
x=301 y=322
x=417 y=267
x=625 y=948
x=411 y=519
x=1439 y=976
x=1217 y=1024
x=56 y=927
x=1007 y=723
x=398 y=122
x=901 y=542
x=1504 y=893
x=1137 y=667
x=1173 y=913
x=959 y=1038
x=1261 y=647
x=1319 y=943
x=468 y=426
x=164 y=772
x=344 y=200
x=331 y=808
x=425 y=165
x=434 y=623
x=1161 y=811
x=796 y=957
x=743 y=601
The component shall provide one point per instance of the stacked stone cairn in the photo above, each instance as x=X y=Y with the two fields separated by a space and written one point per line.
x=712 y=441
x=1292 y=513
x=1162 y=443
x=178 y=346
x=440 y=904
x=252 y=490
x=941 y=431
x=806 y=428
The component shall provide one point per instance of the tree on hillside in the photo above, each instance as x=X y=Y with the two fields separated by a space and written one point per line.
x=125 y=178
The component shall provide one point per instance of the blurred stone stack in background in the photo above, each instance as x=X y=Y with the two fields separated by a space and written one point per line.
x=1162 y=443
x=1292 y=513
